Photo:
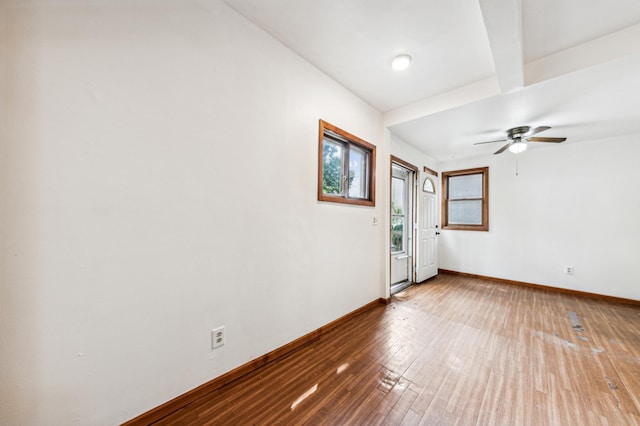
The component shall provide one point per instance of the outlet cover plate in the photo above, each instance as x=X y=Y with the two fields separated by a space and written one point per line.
x=217 y=337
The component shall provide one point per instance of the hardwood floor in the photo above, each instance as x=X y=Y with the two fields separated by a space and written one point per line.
x=453 y=351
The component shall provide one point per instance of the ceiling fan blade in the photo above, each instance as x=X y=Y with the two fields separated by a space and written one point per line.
x=555 y=140
x=499 y=140
x=537 y=130
x=503 y=148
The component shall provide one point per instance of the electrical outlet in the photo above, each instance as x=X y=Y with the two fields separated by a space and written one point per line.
x=568 y=270
x=375 y=221
x=217 y=337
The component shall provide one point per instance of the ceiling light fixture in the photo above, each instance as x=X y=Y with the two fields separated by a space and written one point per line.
x=518 y=146
x=401 y=62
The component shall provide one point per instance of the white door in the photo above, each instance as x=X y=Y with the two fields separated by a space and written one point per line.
x=402 y=191
x=427 y=265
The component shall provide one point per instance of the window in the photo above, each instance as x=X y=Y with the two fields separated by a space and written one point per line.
x=346 y=167
x=465 y=199
x=429 y=186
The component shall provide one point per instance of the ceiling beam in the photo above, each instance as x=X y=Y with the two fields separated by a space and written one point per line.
x=503 y=22
x=464 y=95
x=607 y=48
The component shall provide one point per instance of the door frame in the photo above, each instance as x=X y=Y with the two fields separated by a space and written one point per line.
x=414 y=211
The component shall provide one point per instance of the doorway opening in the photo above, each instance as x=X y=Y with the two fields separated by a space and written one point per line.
x=403 y=214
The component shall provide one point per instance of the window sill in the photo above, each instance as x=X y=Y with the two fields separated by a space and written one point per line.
x=466 y=228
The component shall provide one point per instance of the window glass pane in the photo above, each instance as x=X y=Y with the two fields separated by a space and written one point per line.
x=466 y=212
x=397 y=234
x=398 y=197
x=466 y=186
x=398 y=208
x=428 y=186
x=332 y=166
x=357 y=172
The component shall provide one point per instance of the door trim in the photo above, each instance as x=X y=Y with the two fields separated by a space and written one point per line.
x=414 y=212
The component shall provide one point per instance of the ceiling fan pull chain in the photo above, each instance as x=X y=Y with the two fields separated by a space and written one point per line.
x=516 y=164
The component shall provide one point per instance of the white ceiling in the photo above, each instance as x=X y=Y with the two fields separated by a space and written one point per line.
x=480 y=66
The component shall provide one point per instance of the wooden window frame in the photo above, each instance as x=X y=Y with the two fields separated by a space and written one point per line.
x=484 y=226
x=349 y=140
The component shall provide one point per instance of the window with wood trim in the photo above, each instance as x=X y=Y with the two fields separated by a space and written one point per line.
x=465 y=199
x=346 y=167
x=429 y=186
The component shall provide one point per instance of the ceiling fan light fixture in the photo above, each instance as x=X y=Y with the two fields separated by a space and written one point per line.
x=401 y=62
x=518 y=147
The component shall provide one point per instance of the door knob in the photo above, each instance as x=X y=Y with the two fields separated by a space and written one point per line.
x=437 y=233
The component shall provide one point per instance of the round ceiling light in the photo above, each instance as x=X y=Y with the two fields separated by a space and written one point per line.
x=401 y=62
x=518 y=147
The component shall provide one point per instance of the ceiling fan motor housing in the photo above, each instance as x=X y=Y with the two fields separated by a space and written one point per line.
x=517 y=132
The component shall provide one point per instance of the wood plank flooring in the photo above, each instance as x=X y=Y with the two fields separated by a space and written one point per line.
x=452 y=351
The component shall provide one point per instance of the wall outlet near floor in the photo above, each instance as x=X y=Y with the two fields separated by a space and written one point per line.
x=375 y=221
x=568 y=270
x=217 y=337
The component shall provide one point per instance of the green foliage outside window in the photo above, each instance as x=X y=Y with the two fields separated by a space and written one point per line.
x=397 y=228
x=332 y=170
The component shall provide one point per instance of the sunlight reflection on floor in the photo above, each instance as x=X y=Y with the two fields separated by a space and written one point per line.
x=304 y=396
x=342 y=368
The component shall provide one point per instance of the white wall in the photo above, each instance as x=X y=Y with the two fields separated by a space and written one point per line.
x=158 y=179
x=573 y=204
x=406 y=152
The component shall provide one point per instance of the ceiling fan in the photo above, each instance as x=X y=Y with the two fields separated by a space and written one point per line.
x=518 y=137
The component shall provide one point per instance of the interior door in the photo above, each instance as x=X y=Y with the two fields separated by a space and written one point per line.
x=402 y=241
x=427 y=253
